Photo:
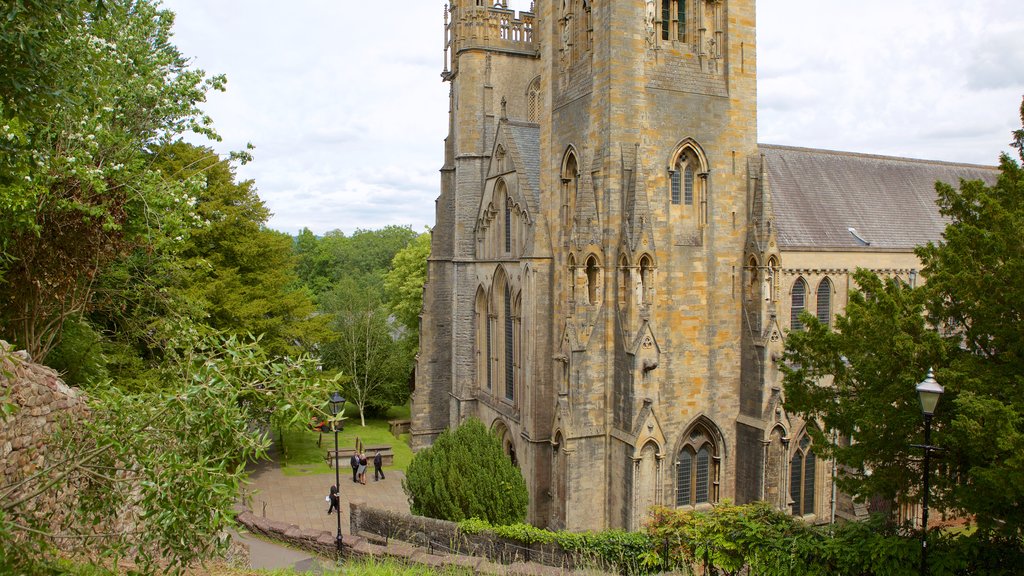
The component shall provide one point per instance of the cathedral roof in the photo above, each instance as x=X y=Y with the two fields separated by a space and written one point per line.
x=889 y=202
x=526 y=138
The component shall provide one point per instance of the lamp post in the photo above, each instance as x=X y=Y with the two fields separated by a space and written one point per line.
x=928 y=392
x=337 y=410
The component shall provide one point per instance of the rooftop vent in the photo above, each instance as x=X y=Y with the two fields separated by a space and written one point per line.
x=859 y=237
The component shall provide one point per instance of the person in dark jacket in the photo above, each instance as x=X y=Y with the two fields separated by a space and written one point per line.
x=333 y=499
x=378 y=466
x=362 y=469
x=354 y=462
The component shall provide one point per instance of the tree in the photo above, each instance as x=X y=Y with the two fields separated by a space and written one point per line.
x=78 y=191
x=403 y=283
x=153 y=476
x=243 y=273
x=839 y=380
x=859 y=380
x=974 y=292
x=367 y=349
x=465 y=475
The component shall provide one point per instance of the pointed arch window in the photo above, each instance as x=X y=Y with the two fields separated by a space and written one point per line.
x=686 y=167
x=801 y=485
x=646 y=280
x=592 y=279
x=508 y=228
x=673 y=20
x=697 y=470
x=824 y=309
x=483 y=339
x=624 y=282
x=798 y=304
x=570 y=189
x=533 y=101
x=509 y=346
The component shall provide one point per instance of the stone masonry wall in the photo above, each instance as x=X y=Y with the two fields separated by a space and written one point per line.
x=42 y=403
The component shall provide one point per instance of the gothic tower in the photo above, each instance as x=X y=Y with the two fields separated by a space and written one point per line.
x=585 y=285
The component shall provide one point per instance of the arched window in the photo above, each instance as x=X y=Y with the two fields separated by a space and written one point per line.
x=510 y=388
x=673 y=20
x=771 y=279
x=533 y=101
x=483 y=339
x=570 y=188
x=592 y=279
x=645 y=278
x=799 y=302
x=697 y=469
x=572 y=278
x=801 y=485
x=824 y=309
x=508 y=228
x=685 y=167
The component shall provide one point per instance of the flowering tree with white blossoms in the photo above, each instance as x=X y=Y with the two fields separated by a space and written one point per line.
x=87 y=91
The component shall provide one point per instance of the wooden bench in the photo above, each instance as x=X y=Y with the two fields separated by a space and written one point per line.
x=344 y=455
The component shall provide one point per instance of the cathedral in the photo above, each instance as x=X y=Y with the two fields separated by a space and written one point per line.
x=616 y=260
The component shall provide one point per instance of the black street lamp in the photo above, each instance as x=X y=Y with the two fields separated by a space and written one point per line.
x=337 y=410
x=928 y=392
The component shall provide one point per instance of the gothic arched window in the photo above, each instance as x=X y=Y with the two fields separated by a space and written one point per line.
x=572 y=278
x=801 y=485
x=533 y=101
x=798 y=304
x=509 y=346
x=697 y=469
x=824 y=309
x=646 y=278
x=592 y=279
x=673 y=20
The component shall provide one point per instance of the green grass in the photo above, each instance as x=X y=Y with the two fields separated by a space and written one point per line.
x=303 y=457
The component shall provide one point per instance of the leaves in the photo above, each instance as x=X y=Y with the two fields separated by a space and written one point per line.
x=465 y=474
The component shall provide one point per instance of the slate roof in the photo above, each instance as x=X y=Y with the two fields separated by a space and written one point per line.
x=818 y=195
x=526 y=138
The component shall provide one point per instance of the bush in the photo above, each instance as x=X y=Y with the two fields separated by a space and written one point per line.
x=465 y=475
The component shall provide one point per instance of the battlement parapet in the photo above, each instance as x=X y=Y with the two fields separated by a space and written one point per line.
x=486 y=27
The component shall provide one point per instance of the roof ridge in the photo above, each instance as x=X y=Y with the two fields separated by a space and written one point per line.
x=876 y=156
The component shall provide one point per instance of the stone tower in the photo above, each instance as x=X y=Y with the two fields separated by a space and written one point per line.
x=585 y=286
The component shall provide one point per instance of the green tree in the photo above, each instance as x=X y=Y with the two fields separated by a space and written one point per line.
x=76 y=187
x=403 y=283
x=242 y=273
x=365 y=256
x=367 y=349
x=466 y=475
x=839 y=379
x=975 y=294
x=859 y=380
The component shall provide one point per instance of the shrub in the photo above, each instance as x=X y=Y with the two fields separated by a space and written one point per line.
x=464 y=475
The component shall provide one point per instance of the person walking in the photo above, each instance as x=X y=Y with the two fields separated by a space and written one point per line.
x=333 y=499
x=378 y=466
x=362 y=469
x=354 y=462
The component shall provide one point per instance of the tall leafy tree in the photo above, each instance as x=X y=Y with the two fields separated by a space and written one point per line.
x=367 y=349
x=403 y=283
x=77 y=190
x=976 y=296
x=242 y=273
x=858 y=381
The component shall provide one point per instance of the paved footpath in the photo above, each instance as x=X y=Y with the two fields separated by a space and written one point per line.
x=300 y=500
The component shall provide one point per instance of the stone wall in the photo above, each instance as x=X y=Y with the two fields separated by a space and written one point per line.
x=443 y=537
x=382 y=534
x=42 y=403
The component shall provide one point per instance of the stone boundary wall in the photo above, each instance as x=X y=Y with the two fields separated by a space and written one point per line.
x=365 y=543
x=445 y=537
x=42 y=404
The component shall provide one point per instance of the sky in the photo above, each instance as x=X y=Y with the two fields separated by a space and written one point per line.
x=345 y=106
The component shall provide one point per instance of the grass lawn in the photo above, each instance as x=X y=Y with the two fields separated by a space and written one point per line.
x=303 y=457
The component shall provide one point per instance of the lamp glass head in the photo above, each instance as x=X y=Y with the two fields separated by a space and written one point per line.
x=929 y=392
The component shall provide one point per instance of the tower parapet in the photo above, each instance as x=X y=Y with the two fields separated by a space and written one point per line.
x=470 y=26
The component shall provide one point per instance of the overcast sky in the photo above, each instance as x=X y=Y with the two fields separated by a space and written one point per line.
x=345 y=105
